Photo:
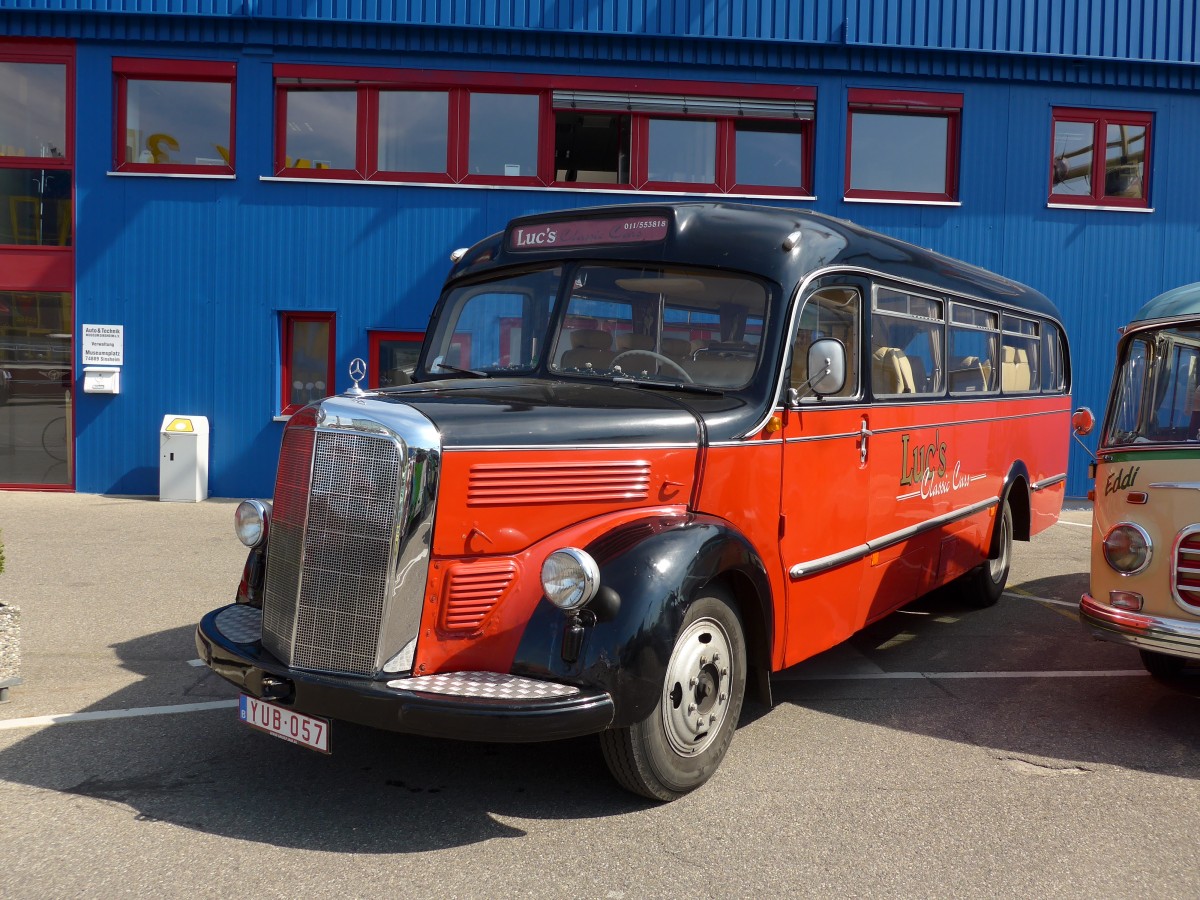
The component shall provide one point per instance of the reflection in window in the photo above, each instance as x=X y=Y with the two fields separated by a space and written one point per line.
x=770 y=154
x=33 y=119
x=906 y=344
x=831 y=313
x=899 y=153
x=307 y=358
x=35 y=207
x=413 y=131
x=973 y=352
x=504 y=135
x=35 y=388
x=182 y=123
x=321 y=129
x=1157 y=395
x=1081 y=174
x=591 y=147
x=393 y=358
x=683 y=151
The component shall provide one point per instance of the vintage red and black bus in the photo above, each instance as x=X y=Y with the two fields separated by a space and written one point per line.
x=651 y=454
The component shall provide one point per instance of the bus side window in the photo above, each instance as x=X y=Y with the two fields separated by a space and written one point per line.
x=833 y=312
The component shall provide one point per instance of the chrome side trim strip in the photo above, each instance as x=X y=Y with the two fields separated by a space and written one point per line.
x=1048 y=482
x=1177 y=485
x=825 y=563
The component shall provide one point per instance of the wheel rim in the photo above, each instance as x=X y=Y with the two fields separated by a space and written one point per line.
x=999 y=566
x=696 y=697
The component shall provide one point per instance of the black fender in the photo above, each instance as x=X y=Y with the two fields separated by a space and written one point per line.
x=1016 y=492
x=651 y=571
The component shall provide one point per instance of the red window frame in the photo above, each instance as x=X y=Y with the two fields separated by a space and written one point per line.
x=26 y=261
x=1100 y=119
x=375 y=338
x=464 y=87
x=209 y=72
x=907 y=103
x=287 y=320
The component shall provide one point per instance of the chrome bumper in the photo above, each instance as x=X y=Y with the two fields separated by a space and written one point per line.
x=1171 y=636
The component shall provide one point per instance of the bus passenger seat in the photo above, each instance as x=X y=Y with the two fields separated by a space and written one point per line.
x=966 y=374
x=720 y=371
x=891 y=372
x=1014 y=369
x=588 y=345
x=627 y=340
x=677 y=349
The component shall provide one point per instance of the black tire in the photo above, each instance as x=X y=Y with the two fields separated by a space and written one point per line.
x=983 y=585
x=1162 y=665
x=670 y=753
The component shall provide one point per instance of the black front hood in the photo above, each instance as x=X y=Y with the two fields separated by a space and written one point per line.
x=531 y=413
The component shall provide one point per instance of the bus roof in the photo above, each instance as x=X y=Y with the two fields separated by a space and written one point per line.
x=1181 y=301
x=741 y=237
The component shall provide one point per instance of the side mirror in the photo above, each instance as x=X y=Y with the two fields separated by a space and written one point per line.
x=826 y=366
x=1082 y=422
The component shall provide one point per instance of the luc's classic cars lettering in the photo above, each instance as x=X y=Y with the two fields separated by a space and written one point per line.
x=587 y=232
x=925 y=467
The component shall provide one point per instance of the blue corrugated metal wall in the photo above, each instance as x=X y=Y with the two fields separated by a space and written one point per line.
x=197 y=270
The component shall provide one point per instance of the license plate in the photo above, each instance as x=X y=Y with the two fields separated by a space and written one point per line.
x=307 y=731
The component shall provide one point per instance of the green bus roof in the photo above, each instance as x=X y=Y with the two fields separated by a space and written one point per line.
x=1181 y=301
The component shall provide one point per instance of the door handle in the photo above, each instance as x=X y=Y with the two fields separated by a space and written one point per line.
x=863 y=433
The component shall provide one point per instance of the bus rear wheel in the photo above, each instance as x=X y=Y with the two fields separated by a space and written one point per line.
x=983 y=585
x=679 y=745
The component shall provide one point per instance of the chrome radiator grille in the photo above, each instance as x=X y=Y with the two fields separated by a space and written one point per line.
x=332 y=548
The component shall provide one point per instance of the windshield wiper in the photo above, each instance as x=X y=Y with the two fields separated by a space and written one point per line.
x=690 y=386
x=474 y=373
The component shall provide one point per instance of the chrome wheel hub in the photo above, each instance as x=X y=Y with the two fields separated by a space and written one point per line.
x=695 y=698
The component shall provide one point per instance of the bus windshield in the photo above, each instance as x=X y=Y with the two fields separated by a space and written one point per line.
x=646 y=323
x=1155 y=397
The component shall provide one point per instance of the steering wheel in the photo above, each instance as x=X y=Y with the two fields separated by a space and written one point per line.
x=658 y=356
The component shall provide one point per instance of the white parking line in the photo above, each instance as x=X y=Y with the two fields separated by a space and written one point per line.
x=1067 y=603
x=67 y=718
x=1076 y=524
x=938 y=676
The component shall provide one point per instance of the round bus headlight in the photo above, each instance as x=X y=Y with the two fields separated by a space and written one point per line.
x=250 y=522
x=570 y=578
x=1127 y=548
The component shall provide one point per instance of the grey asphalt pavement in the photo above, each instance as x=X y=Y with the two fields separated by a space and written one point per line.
x=943 y=752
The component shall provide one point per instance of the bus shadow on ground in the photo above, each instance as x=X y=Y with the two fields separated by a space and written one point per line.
x=377 y=792
x=942 y=669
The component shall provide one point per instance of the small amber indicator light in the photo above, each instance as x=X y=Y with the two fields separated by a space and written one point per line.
x=1137 y=498
x=774 y=424
x=1091 y=495
x=1125 y=600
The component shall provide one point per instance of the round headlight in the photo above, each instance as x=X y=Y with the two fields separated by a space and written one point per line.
x=1127 y=548
x=250 y=522
x=570 y=578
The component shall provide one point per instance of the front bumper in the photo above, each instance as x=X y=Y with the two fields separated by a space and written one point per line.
x=1171 y=636
x=478 y=706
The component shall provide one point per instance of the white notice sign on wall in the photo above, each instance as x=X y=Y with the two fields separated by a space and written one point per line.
x=103 y=345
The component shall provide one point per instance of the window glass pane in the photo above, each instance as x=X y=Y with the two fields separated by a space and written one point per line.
x=321 y=129
x=770 y=154
x=972 y=360
x=396 y=361
x=35 y=207
x=1072 y=165
x=832 y=313
x=35 y=387
x=413 y=130
x=1053 y=377
x=33 y=118
x=899 y=153
x=683 y=150
x=1123 y=165
x=177 y=122
x=1156 y=390
x=308 y=365
x=504 y=131
x=591 y=147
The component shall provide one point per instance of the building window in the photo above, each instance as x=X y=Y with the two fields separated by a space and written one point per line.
x=35 y=151
x=307 y=358
x=393 y=356
x=175 y=116
x=1082 y=175
x=414 y=132
x=457 y=128
x=902 y=146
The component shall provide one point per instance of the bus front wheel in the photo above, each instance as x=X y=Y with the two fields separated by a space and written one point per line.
x=679 y=745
